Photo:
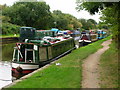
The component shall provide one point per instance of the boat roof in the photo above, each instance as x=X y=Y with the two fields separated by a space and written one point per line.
x=55 y=29
x=44 y=31
x=26 y=27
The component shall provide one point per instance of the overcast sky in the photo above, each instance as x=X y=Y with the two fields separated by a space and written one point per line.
x=66 y=6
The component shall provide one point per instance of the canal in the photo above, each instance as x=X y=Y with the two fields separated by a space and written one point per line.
x=6 y=52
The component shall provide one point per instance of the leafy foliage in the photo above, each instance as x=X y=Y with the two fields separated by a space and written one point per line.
x=8 y=28
x=65 y=21
x=88 y=24
x=92 y=7
x=110 y=14
x=102 y=25
x=34 y=14
x=37 y=14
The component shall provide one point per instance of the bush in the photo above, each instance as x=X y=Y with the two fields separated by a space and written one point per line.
x=8 y=28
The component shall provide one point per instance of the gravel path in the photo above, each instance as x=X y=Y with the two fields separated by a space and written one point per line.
x=90 y=67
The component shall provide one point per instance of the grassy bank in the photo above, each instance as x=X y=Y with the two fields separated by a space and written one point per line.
x=109 y=68
x=67 y=75
x=10 y=35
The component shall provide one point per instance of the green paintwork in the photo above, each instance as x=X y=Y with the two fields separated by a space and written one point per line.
x=48 y=54
x=27 y=33
x=33 y=34
x=40 y=34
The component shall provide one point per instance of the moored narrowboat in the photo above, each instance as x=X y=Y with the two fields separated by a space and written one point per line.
x=101 y=34
x=73 y=33
x=76 y=34
x=32 y=54
x=93 y=35
x=85 y=38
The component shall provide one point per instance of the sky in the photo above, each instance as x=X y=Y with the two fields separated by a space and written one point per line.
x=66 y=6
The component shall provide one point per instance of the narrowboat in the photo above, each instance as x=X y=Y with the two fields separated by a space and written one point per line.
x=73 y=33
x=85 y=38
x=35 y=51
x=76 y=34
x=101 y=34
x=93 y=35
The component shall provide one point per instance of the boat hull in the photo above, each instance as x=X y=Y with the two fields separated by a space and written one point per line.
x=19 y=70
x=84 y=42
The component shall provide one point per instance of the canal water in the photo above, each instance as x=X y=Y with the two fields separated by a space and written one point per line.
x=6 y=52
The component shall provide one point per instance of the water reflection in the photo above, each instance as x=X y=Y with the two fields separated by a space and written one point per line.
x=5 y=73
x=6 y=53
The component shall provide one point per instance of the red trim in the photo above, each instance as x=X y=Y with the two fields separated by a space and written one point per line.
x=27 y=71
x=13 y=69
x=40 y=30
x=84 y=37
x=24 y=71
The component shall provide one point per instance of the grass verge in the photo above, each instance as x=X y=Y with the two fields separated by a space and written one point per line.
x=67 y=75
x=11 y=35
x=109 y=68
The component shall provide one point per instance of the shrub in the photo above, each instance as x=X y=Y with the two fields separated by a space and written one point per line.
x=8 y=28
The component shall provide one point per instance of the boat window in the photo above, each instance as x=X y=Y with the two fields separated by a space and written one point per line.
x=29 y=56
x=25 y=30
x=31 y=30
x=17 y=56
x=98 y=35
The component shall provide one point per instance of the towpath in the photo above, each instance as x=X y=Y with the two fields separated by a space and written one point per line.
x=90 y=75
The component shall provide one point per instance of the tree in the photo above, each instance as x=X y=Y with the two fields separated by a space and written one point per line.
x=102 y=25
x=84 y=23
x=65 y=21
x=59 y=18
x=6 y=26
x=5 y=18
x=92 y=21
x=93 y=7
x=110 y=13
x=73 y=22
x=34 y=14
x=88 y=24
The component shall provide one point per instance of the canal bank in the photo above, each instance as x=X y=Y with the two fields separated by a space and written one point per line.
x=7 y=40
x=63 y=73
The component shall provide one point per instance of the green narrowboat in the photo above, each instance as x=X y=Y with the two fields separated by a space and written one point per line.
x=32 y=54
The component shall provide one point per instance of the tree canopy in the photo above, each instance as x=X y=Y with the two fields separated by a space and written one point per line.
x=65 y=21
x=110 y=13
x=29 y=14
x=37 y=14
x=88 y=24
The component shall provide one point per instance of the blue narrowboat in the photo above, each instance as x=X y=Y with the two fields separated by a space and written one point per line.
x=101 y=34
